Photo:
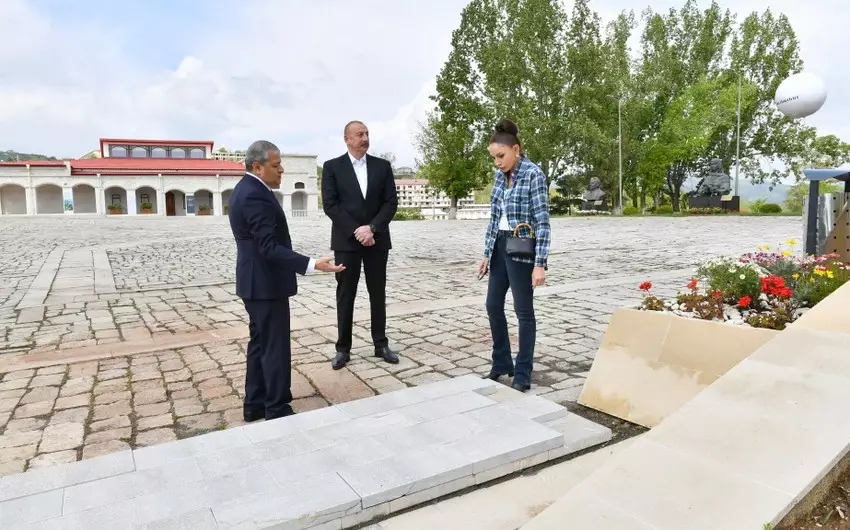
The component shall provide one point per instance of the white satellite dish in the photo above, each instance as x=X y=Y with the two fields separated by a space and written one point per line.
x=800 y=95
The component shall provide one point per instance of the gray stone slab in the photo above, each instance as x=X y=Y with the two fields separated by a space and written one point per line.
x=197 y=520
x=269 y=430
x=31 y=509
x=319 y=469
x=536 y=408
x=119 y=516
x=61 y=476
x=505 y=444
x=163 y=454
x=406 y=473
x=294 y=505
x=207 y=493
x=119 y=488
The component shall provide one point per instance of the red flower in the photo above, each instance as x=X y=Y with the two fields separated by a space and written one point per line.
x=692 y=285
x=775 y=286
x=744 y=302
x=717 y=295
x=645 y=286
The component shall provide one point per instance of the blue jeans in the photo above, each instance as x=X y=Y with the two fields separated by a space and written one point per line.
x=506 y=273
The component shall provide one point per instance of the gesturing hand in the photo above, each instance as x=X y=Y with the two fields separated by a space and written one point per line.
x=326 y=265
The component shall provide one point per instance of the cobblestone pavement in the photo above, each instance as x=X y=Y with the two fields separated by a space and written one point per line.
x=125 y=332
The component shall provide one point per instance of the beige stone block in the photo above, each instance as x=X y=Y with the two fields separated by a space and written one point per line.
x=656 y=487
x=650 y=363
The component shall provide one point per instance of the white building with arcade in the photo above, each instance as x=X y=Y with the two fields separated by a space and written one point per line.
x=145 y=177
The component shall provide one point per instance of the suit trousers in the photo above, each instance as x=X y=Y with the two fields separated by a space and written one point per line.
x=269 y=357
x=374 y=264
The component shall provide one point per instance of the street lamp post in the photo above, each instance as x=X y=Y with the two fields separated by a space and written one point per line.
x=738 y=139
x=620 y=149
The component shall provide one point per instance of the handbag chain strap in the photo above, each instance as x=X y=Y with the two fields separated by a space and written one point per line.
x=530 y=229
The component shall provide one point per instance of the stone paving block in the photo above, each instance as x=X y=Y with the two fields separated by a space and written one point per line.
x=337 y=386
x=295 y=504
x=61 y=476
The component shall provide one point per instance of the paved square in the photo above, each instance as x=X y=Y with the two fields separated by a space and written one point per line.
x=123 y=332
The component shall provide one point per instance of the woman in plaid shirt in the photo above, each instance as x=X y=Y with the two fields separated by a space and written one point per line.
x=520 y=195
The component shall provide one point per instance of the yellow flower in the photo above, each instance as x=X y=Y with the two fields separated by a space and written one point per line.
x=811 y=279
x=792 y=242
x=830 y=274
x=795 y=276
x=786 y=253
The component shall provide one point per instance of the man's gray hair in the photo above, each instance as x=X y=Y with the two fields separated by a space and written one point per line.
x=259 y=152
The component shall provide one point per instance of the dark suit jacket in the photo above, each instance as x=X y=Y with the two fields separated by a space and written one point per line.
x=265 y=262
x=343 y=201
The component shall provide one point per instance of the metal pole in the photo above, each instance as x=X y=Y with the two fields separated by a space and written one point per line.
x=738 y=139
x=620 y=147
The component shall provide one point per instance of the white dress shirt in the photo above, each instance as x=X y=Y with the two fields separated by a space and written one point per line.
x=311 y=266
x=361 y=171
x=503 y=221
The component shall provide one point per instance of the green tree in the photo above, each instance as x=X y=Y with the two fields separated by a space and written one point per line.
x=685 y=132
x=764 y=51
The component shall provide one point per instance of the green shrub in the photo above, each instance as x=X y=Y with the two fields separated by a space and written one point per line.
x=664 y=209
x=408 y=214
x=770 y=208
x=630 y=210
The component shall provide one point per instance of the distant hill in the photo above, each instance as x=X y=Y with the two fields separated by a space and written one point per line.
x=12 y=156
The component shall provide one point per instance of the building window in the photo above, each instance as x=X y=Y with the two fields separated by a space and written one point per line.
x=140 y=152
x=196 y=152
x=116 y=199
x=159 y=152
x=299 y=185
x=118 y=151
x=178 y=152
x=190 y=204
x=145 y=197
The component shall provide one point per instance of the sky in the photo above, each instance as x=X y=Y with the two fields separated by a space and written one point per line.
x=290 y=71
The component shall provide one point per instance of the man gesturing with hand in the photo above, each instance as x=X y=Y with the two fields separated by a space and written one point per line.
x=359 y=195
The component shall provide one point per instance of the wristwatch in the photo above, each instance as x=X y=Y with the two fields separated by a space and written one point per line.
x=372 y=228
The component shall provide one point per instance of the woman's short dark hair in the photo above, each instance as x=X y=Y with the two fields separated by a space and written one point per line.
x=505 y=133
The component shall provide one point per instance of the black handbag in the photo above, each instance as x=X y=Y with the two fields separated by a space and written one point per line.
x=521 y=247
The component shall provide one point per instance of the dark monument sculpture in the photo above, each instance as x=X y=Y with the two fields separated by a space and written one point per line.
x=714 y=189
x=594 y=197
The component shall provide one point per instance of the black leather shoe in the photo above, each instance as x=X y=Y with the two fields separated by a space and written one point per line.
x=494 y=375
x=284 y=412
x=386 y=354
x=522 y=387
x=342 y=358
x=250 y=415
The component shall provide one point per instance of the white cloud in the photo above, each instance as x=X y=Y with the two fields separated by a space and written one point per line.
x=291 y=72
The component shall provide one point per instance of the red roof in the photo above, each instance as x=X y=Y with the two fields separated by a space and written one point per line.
x=190 y=166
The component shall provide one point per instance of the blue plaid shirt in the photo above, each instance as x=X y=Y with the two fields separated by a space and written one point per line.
x=527 y=203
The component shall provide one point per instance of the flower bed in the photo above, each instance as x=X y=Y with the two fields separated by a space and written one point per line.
x=763 y=289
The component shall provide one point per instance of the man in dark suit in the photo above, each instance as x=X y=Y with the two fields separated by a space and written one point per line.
x=359 y=195
x=265 y=279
